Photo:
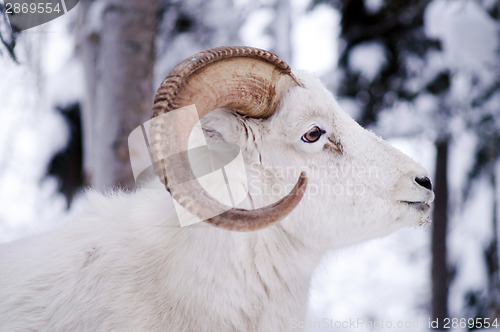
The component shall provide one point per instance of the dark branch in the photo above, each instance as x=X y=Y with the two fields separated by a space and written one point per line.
x=7 y=36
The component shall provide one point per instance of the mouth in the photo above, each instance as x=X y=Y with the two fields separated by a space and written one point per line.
x=420 y=206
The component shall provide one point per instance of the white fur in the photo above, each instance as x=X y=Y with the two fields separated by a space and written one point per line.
x=124 y=264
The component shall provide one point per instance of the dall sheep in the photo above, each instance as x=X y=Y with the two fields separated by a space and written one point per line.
x=125 y=264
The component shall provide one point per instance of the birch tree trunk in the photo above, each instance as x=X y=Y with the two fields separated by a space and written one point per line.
x=116 y=42
x=281 y=29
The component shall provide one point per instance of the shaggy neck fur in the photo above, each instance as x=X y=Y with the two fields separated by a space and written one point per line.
x=236 y=281
x=260 y=277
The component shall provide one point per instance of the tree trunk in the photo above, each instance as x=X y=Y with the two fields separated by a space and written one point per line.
x=117 y=47
x=281 y=30
x=440 y=273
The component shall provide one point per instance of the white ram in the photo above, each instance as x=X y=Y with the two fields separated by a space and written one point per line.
x=125 y=264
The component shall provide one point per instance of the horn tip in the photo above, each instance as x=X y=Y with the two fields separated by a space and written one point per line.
x=302 y=181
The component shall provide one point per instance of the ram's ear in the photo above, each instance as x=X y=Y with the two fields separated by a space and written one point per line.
x=224 y=125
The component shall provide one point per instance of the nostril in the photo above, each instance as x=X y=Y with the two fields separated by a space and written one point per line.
x=424 y=182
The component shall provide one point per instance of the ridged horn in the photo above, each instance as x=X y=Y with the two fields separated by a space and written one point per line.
x=248 y=80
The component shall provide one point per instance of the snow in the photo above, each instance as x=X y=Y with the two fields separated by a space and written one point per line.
x=419 y=148
x=368 y=59
x=253 y=32
x=469 y=233
x=409 y=118
x=469 y=35
x=350 y=106
x=31 y=131
x=462 y=153
x=470 y=229
x=63 y=70
x=314 y=36
x=384 y=279
x=373 y=6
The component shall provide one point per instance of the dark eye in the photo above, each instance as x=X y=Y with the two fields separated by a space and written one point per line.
x=313 y=134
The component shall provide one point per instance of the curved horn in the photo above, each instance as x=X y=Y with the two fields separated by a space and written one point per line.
x=248 y=80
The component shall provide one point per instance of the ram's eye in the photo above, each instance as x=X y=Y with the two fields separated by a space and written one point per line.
x=313 y=134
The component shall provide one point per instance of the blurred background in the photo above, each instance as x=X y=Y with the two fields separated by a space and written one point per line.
x=423 y=74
